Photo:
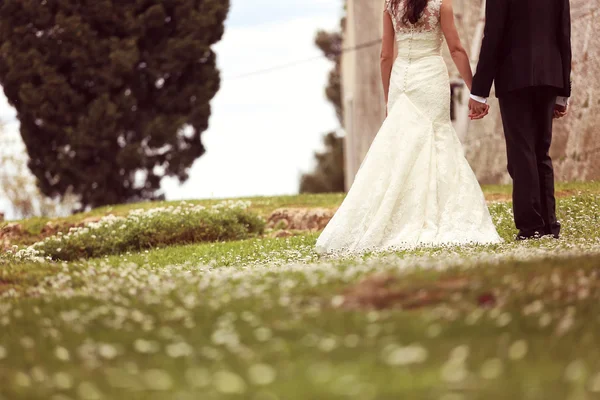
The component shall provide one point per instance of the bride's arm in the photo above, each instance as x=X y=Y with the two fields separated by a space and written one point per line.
x=458 y=52
x=387 y=53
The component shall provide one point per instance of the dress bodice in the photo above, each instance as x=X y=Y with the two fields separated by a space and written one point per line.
x=422 y=39
x=429 y=21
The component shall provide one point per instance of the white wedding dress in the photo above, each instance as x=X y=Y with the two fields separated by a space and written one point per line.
x=415 y=186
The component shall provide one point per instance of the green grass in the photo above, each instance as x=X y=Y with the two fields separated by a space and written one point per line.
x=568 y=187
x=264 y=206
x=265 y=319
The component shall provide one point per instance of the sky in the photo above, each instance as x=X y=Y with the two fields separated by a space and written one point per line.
x=264 y=128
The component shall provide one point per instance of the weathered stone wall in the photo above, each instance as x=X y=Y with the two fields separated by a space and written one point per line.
x=364 y=106
x=576 y=147
x=577 y=139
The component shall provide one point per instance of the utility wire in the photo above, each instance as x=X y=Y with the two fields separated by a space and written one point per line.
x=307 y=60
x=360 y=47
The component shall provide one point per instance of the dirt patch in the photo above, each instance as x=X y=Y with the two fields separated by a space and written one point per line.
x=14 y=233
x=384 y=291
x=498 y=197
x=283 y=233
x=503 y=197
x=8 y=234
x=567 y=193
x=5 y=285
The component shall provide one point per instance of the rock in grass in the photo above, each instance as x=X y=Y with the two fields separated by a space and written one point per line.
x=303 y=219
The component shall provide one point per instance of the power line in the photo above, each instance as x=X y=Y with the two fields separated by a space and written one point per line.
x=307 y=60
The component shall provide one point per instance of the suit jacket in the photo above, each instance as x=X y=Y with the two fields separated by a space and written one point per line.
x=526 y=43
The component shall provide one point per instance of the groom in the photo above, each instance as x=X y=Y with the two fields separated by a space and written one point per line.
x=526 y=51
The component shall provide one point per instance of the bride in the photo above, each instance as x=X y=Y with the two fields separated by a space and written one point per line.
x=415 y=186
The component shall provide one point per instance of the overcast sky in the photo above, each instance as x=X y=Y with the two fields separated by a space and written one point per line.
x=264 y=128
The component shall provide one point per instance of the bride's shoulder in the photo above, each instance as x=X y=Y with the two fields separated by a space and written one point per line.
x=437 y=4
x=391 y=8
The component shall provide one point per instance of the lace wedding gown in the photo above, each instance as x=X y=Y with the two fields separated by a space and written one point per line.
x=415 y=186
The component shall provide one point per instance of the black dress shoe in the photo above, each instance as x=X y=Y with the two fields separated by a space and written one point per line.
x=533 y=236
x=554 y=235
x=553 y=231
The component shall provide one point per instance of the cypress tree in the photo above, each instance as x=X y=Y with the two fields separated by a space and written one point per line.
x=328 y=175
x=112 y=95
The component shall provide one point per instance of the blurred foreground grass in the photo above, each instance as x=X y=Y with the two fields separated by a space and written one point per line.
x=270 y=319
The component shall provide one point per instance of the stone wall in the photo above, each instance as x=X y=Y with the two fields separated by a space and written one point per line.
x=576 y=147
x=364 y=105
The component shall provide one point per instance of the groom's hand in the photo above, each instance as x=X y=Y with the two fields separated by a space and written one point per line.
x=560 y=111
x=477 y=110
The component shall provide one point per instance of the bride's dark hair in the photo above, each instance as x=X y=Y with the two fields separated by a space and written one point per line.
x=413 y=10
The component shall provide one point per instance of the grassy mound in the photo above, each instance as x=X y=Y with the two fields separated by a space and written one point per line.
x=146 y=229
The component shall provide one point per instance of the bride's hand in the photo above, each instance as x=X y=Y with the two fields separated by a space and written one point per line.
x=477 y=110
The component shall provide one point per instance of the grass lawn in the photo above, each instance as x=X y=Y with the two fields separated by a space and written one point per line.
x=264 y=206
x=268 y=318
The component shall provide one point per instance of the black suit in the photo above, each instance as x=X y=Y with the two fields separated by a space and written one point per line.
x=526 y=52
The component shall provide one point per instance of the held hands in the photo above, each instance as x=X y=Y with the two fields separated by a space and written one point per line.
x=560 y=111
x=477 y=110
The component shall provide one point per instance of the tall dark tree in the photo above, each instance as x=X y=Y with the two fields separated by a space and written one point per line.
x=330 y=44
x=328 y=175
x=112 y=95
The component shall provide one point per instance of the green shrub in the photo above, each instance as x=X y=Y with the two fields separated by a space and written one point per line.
x=145 y=229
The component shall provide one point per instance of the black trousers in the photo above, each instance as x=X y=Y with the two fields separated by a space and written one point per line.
x=527 y=119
